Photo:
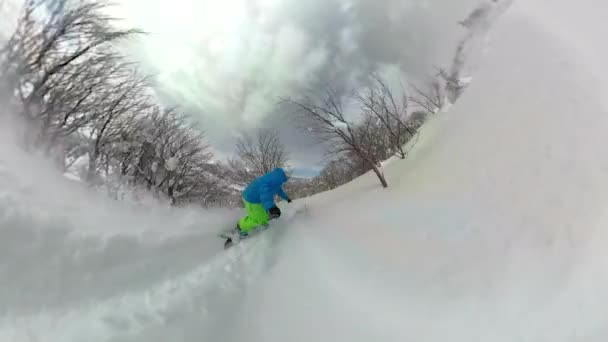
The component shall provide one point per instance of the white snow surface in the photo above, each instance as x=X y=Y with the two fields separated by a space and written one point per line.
x=492 y=230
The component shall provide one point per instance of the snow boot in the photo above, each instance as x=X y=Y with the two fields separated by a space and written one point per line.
x=242 y=234
x=237 y=231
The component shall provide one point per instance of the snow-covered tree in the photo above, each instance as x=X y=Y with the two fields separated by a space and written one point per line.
x=95 y=111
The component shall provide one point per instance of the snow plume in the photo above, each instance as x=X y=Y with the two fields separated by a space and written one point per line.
x=469 y=49
x=69 y=255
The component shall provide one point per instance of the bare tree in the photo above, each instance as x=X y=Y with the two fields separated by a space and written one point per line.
x=64 y=75
x=379 y=101
x=56 y=46
x=335 y=173
x=173 y=158
x=417 y=119
x=374 y=138
x=260 y=155
x=325 y=117
x=126 y=97
x=80 y=96
x=431 y=99
x=239 y=172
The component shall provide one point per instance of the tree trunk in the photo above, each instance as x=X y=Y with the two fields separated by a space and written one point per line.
x=380 y=175
x=91 y=172
x=172 y=199
x=401 y=153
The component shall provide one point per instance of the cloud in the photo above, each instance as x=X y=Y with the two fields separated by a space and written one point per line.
x=9 y=10
x=227 y=62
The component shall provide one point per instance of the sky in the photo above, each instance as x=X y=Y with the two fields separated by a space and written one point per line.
x=8 y=8
x=226 y=63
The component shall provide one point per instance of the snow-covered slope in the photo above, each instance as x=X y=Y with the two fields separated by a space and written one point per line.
x=491 y=231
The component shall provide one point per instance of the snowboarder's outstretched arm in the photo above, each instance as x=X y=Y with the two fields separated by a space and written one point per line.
x=283 y=195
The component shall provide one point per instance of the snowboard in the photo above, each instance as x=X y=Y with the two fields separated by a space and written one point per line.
x=233 y=237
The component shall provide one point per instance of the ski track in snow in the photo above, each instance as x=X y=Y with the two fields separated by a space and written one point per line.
x=126 y=277
x=492 y=230
x=70 y=288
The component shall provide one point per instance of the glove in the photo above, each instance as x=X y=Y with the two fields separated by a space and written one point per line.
x=288 y=200
x=274 y=212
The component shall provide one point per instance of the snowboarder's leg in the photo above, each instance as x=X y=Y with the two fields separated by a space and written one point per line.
x=256 y=216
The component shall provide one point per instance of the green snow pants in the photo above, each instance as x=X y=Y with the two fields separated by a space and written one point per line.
x=256 y=216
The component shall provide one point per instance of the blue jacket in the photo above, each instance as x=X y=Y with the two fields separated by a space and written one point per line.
x=262 y=189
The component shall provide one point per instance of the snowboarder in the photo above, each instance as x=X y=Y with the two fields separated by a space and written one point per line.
x=258 y=199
